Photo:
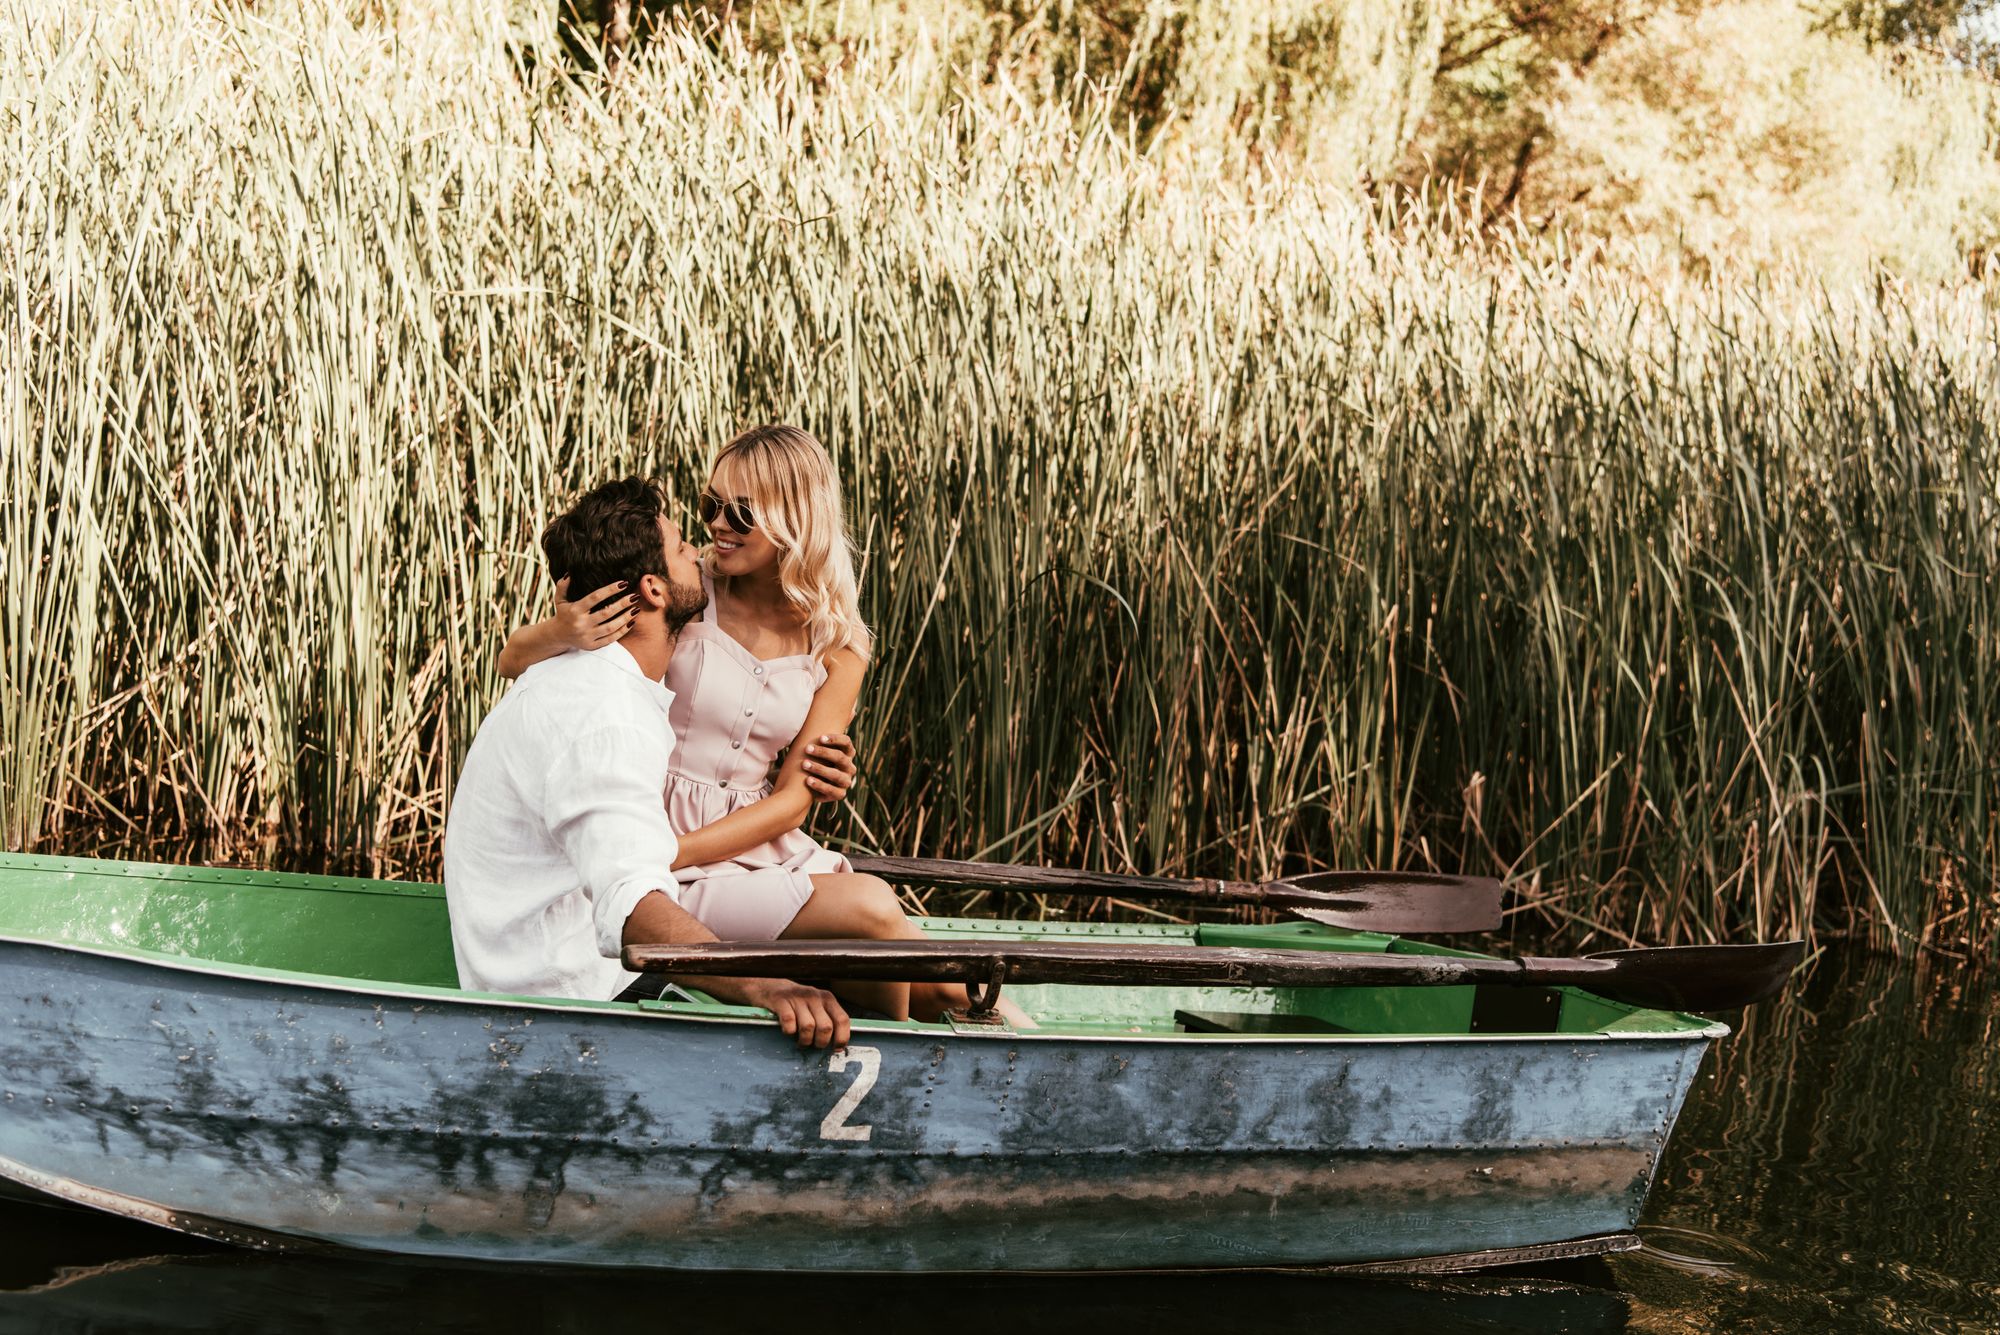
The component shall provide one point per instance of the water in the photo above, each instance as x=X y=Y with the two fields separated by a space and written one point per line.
x=1837 y=1168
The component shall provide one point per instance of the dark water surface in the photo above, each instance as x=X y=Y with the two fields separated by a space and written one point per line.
x=1837 y=1169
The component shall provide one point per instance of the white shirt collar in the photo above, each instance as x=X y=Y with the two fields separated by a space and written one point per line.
x=618 y=655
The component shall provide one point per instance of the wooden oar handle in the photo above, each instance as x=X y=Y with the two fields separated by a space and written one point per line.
x=1683 y=977
x=1062 y=962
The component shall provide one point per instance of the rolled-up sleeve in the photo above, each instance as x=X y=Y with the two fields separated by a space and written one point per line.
x=605 y=804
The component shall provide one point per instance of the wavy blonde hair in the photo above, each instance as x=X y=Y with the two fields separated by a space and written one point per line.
x=788 y=479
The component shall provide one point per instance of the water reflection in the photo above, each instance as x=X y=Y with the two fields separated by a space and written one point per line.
x=1835 y=1170
x=1838 y=1166
x=198 y=1288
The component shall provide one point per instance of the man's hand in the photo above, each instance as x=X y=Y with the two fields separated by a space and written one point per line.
x=811 y=1013
x=829 y=767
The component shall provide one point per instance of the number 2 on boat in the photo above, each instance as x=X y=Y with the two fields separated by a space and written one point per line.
x=834 y=1125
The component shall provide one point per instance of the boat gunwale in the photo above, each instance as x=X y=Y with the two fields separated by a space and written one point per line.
x=250 y=877
x=703 y=1013
x=1691 y=1026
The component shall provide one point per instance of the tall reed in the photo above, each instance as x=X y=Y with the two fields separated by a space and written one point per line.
x=1210 y=524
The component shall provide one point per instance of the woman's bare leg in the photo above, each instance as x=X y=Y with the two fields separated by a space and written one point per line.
x=844 y=904
x=848 y=904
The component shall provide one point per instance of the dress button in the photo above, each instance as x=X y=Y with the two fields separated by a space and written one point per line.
x=736 y=746
x=757 y=671
x=723 y=784
x=748 y=712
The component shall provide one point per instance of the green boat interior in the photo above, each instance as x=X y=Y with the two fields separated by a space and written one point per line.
x=396 y=933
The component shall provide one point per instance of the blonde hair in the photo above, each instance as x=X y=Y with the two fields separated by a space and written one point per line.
x=788 y=479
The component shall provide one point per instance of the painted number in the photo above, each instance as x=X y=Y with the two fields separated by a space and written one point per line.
x=834 y=1126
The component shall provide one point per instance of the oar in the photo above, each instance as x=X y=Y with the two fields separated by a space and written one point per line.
x=1698 y=978
x=1396 y=902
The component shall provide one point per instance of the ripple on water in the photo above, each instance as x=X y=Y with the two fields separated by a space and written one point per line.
x=1698 y=1251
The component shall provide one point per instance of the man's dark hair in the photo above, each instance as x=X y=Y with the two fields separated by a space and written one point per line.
x=612 y=533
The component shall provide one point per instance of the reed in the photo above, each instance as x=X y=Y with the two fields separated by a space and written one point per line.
x=1211 y=525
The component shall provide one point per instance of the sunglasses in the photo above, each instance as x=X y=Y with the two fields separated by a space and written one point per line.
x=736 y=512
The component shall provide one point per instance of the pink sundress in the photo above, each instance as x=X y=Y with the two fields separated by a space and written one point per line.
x=732 y=714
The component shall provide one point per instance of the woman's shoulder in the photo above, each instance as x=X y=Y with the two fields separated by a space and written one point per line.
x=843 y=661
x=852 y=653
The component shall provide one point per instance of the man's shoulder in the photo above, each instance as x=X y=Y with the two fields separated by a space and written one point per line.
x=575 y=690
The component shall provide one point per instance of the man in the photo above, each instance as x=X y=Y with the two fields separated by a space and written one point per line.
x=557 y=851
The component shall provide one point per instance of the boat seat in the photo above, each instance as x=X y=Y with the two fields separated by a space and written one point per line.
x=1254 y=1022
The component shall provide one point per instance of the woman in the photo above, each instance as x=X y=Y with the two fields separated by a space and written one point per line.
x=777 y=656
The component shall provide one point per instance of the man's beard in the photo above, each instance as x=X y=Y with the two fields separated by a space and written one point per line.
x=684 y=604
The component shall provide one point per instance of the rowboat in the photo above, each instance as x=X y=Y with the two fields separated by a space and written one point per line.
x=284 y=1060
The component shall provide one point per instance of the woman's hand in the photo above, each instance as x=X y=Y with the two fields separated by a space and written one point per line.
x=578 y=626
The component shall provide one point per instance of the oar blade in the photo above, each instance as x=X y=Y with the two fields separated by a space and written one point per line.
x=1394 y=903
x=1697 y=978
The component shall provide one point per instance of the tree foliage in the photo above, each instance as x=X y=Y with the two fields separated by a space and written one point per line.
x=1857 y=135
x=1726 y=134
x=1969 y=29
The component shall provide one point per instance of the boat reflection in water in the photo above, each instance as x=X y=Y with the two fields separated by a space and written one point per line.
x=71 y=1271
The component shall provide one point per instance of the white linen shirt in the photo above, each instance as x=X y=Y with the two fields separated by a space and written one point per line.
x=558 y=828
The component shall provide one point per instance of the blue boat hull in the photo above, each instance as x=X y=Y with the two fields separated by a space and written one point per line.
x=415 y=1121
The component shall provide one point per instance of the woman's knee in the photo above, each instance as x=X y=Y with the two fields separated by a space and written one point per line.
x=883 y=911
x=870 y=905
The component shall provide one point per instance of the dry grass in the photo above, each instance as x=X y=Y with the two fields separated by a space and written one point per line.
x=1209 y=525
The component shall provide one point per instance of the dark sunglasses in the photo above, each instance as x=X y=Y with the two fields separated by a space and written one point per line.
x=736 y=512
